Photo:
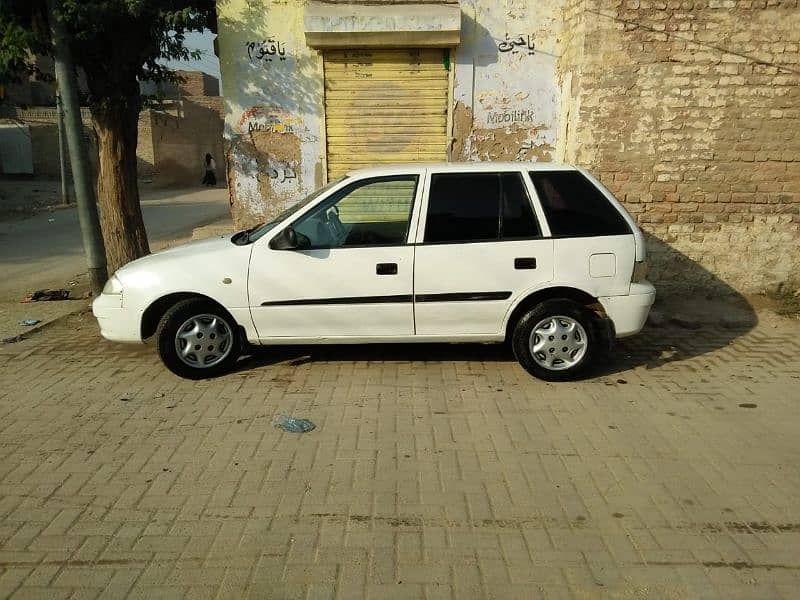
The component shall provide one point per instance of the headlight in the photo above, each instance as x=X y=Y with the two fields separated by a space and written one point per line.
x=113 y=286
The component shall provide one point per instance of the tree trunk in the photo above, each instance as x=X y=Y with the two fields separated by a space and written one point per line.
x=116 y=127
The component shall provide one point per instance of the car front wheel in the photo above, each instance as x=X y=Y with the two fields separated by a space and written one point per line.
x=198 y=339
x=556 y=340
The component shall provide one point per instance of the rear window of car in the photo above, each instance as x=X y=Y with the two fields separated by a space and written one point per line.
x=475 y=207
x=574 y=207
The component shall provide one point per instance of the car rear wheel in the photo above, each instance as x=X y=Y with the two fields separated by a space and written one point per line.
x=556 y=340
x=198 y=339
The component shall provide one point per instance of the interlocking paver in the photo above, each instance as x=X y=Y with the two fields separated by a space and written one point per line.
x=434 y=472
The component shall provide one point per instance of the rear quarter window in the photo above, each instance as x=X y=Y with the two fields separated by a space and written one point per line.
x=574 y=207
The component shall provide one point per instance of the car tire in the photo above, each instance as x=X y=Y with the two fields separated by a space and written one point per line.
x=198 y=339
x=556 y=340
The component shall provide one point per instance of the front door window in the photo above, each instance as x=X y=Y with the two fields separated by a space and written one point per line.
x=372 y=212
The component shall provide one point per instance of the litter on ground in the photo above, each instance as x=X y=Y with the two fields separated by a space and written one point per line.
x=293 y=425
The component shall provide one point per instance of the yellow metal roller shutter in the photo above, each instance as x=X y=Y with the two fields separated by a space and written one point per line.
x=384 y=107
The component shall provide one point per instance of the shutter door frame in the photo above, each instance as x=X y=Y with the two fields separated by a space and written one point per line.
x=351 y=84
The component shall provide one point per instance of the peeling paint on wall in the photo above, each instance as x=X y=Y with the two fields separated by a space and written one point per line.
x=263 y=118
x=514 y=142
x=462 y=122
x=272 y=84
x=697 y=142
x=506 y=93
x=244 y=187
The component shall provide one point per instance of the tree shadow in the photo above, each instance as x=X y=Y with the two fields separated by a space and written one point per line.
x=273 y=89
x=688 y=322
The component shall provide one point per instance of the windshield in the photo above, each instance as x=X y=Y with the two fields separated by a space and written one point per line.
x=259 y=230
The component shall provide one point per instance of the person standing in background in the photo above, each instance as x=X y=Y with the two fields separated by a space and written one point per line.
x=210 y=177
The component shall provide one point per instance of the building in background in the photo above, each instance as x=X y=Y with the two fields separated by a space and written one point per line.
x=687 y=110
x=29 y=124
x=175 y=131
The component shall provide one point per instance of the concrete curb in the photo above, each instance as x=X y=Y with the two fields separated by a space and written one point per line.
x=42 y=326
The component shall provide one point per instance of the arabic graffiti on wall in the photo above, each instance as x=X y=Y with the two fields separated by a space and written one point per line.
x=525 y=43
x=264 y=51
x=283 y=177
x=282 y=173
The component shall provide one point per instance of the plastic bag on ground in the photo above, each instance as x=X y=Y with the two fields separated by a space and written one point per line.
x=293 y=425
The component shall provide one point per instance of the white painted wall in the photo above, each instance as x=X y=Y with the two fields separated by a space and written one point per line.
x=271 y=82
x=506 y=71
x=505 y=75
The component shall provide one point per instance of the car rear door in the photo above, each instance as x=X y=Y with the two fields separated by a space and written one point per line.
x=479 y=247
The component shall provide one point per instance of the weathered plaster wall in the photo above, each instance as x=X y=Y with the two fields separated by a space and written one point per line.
x=506 y=94
x=506 y=91
x=689 y=111
x=272 y=83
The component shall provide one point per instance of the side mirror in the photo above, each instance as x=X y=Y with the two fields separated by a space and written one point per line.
x=285 y=240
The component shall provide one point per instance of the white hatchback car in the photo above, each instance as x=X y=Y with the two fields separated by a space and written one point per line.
x=539 y=254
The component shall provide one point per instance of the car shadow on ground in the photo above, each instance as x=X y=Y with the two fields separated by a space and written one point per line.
x=654 y=347
x=686 y=321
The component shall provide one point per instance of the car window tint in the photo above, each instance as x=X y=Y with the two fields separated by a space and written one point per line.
x=374 y=212
x=518 y=219
x=463 y=207
x=574 y=207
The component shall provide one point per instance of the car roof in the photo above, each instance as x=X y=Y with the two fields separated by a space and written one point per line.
x=461 y=167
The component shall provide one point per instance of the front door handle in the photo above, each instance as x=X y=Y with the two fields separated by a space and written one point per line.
x=525 y=263
x=386 y=269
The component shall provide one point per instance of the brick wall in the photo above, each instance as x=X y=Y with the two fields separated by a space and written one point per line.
x=689 y=111
x=179 y=140
x=197 y=83
x=170 y=147
x=43 y=128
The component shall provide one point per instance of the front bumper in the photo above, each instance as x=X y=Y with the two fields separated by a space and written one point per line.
x=629 y=313
x=116 y=323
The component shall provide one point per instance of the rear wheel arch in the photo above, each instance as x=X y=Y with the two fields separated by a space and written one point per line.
x=158 y=308
x=551 y=293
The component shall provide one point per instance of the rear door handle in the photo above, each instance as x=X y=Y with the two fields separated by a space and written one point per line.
x=525 y=263
x=386 y=269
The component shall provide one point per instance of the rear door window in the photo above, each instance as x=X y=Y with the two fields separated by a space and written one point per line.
x=574 y=207
x=463 y=207
x=475 y=207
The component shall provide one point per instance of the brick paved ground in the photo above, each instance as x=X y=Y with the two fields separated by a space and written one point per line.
x=434 y=472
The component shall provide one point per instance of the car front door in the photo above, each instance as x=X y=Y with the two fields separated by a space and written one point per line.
x=351 y=274
x=479 y=248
